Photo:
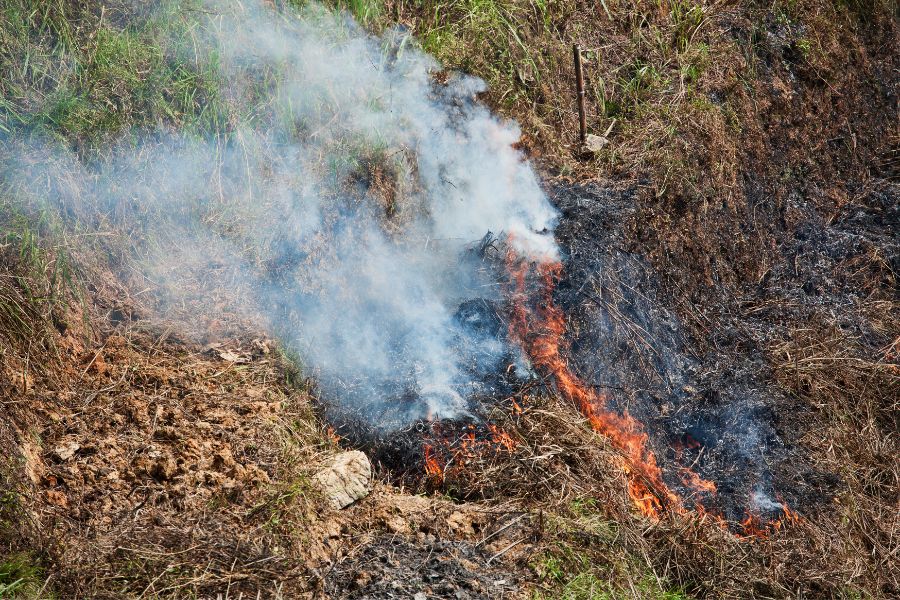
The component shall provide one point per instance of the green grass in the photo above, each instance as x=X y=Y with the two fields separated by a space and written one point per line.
x=38 y=274
x=73 y=74
x=365 y=11
x=20 y=577
x=584 y=559
x=570 y=574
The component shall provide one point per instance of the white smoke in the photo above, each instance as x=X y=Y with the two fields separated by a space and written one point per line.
x=761 y=502
x=287 y=208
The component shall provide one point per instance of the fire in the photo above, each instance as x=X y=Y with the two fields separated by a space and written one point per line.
x=332 y=435
x=447 y=455
x=433 y=469
x=501 y=438
x=540 y=332
x=695 y=482
x=689 y=478
x=539 y=326
x=755 y=527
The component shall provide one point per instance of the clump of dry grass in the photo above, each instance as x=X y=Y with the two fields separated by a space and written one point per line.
x=855 y=396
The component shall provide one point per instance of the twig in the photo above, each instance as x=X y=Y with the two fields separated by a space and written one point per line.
x=505 y=550
x=502 y=529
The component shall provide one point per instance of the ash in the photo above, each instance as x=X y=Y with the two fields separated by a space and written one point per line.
x=395 y=567
x=713 y=412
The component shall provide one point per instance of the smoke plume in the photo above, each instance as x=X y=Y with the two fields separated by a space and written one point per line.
x=344 y=204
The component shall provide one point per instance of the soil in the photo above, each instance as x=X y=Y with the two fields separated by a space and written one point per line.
x=744 y=309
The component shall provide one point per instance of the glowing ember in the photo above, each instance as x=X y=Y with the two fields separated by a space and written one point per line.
x=501 y=438
x=689 y=478
x=332 y=435
x=449 y=455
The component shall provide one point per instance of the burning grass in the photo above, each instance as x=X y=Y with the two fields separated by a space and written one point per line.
x=706 y=98
x=540 y=326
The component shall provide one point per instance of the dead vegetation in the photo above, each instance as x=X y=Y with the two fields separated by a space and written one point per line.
x=161 y=456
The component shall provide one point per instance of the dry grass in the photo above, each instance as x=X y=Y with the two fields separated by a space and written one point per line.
x=855 y=394
x=189 y=472
x=697 y=98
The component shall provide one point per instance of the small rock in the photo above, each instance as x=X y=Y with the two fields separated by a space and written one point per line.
x=595 y=143
x=420 y=596
x=346 y=479
x=66 y=451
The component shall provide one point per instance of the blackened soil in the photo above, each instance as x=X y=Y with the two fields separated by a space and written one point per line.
x=714 y=412
x=397 y=567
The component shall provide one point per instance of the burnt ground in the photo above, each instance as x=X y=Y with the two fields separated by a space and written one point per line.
x=715 y=411
x=423 y=567
x=752 y=387
x=710 y=401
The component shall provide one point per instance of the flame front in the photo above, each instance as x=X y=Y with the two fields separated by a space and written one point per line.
x=539 y=326
x=540 y=331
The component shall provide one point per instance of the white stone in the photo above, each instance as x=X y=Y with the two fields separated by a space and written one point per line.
x=595 y=143
x=346 y=479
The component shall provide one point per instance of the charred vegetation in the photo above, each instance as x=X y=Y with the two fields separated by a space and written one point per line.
x=681 y=383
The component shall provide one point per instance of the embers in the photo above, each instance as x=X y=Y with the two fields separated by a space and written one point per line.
x=439 y=454
x=451 y=449
x=689 y=453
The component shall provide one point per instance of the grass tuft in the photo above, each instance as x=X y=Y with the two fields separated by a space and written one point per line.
x=20 y=578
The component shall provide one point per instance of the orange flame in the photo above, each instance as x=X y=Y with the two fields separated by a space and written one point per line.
x=541 y=335
x=501 y=438
x=754 y=527
x=689 y=478
x=433 y=469
x=447 y=457
x=332 y=435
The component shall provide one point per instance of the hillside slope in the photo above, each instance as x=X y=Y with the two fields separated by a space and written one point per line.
x=160 y=433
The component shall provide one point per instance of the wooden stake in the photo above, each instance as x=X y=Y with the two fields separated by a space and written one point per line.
x=579 y=91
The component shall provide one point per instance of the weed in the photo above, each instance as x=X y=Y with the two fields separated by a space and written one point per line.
x=20 y=577
x=574 y=575
x=687 y=18
x=110 y=80
x=639 y=82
